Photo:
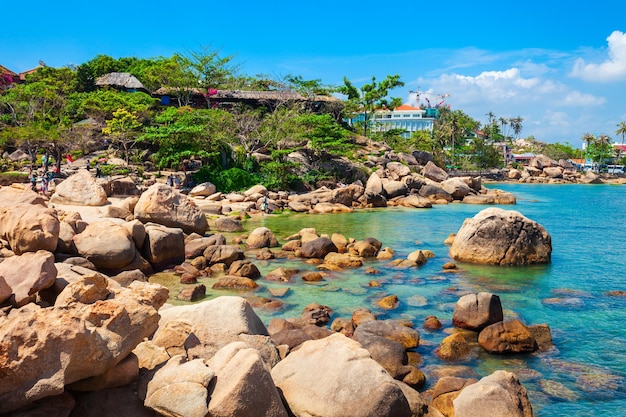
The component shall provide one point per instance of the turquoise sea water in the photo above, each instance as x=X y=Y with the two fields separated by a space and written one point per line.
x=584 y=375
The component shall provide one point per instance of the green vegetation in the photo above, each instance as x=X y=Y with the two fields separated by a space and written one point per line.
x=62 y=110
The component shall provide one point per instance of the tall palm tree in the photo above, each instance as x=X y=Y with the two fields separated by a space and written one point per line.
x=621 y=131
x=516 y=125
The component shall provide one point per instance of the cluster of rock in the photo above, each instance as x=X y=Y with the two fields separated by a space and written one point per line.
x=392 y=184
x=545 y=170
x=82 y=331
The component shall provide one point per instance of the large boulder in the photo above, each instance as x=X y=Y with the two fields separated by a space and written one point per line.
x=477 y=311
x=29 y=228
x=23 y=276
x=215 y=323
x=163 y=246
x=261 y=237
x=106 y=244
x=317 y=248
x=91 y=328
x=336 y=377
x=80 y=189
x=166 y=206
x=501 y=237
x=510 y=336
x=433 y=172
x=498 y=395
x=244 y=386
x=185 y=381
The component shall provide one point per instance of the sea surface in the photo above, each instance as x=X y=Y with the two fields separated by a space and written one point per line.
x=583 y=375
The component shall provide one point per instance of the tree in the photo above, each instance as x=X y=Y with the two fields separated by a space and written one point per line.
x=371 y=96
x=516 y=125
x=621 y=131
x=325 y=136
x=123 y=131
x=209 y=70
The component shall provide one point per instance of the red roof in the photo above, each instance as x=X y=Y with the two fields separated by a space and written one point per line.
x=406 y=107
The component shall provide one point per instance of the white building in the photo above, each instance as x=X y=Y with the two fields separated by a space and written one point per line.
x=408 y=118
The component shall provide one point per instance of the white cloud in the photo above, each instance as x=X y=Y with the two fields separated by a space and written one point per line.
x=612 y=69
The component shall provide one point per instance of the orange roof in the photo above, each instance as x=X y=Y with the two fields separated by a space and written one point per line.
x=406 y=107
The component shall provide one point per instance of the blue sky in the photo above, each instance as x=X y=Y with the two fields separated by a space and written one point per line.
x=559 y=66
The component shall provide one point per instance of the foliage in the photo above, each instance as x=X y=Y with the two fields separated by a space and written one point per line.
x=232 y=179
x=371 y=96
x=123 y=130
x=325 y=135
x=558 y=151
x=278 y=173
x=100 y=105
x=183 y=132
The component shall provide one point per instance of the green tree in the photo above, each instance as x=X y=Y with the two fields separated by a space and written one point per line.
x=370 y=96
x=123 y=130
x=326 y=137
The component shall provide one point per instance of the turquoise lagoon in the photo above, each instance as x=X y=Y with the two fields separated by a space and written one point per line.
x=582 y=376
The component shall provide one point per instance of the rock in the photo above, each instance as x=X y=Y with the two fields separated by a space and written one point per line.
x=194 y=293
x=398 y=170
x=388 y=302
x=432 y=323
x=497 y=395
x=163 y=246
x=261 y=237
x=114 y=212
x=227 y=224
x=243 y=386
x=226 y=254
x=26 y=223
x=435 y=193
x=374 y=185
x=166 y=206
x=124 y=278
x=501 y=237
x=204 y=189
x=187 y=382
x=453 y=347
x=316 y=314
x=407 y=337
x=124 y=373
x=511 y=336
x=23 y=276
x=415 y=201
x=313 y=385
x=121 y=187
x=196 y=247
x=80 y=189
x=137 y=232
x=433 y=172
x=317 y=248
x=418 y=257
x=90 y=338
x=234 y=283
x=312 y=277
x=514 y=174
x=456 y=187
x=395 y=188
x=446 y=390
x=106 y=244
x=343 y=260
x=477 y=311
x=244 y=268
x=215 y=323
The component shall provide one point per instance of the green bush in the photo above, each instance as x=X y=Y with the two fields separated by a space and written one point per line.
x=232 y=179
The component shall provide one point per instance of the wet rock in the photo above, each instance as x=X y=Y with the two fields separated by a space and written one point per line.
x=511 y=336
x=477 y=311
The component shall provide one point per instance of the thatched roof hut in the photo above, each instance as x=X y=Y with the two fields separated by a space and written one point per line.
x=271 y=99
x=122 y=81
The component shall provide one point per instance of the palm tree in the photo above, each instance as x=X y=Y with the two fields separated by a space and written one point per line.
x=516 y=125
x=621 y=130
x=503 y=122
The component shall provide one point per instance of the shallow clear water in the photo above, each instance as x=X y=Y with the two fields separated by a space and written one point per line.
x=582 y=376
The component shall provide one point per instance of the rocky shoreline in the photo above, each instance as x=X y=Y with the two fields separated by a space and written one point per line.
x=84 y=331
